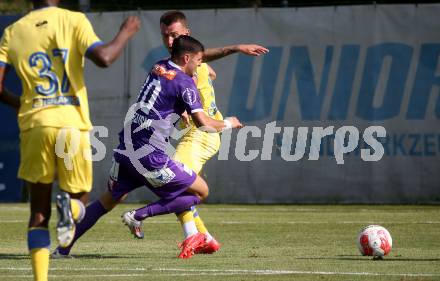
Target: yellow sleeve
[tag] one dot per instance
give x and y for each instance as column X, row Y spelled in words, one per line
column 4, row 49
column 85, row 35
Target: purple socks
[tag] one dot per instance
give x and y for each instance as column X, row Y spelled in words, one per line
column 161, row 207
column 94, row 211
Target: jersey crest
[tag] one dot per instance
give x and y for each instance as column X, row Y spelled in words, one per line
column 160, row 70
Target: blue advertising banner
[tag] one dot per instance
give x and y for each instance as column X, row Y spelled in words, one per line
column 10, row 185
column 344, row 108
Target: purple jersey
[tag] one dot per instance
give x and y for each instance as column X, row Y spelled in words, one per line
column 165, row 95
column 140, row 158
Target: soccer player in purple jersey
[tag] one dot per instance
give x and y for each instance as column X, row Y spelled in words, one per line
column 141, row 158
column 172, row 25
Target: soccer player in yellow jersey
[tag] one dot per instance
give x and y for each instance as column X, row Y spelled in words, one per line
column 197, row 147
column 47, row 47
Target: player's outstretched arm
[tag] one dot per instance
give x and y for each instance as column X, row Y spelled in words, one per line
column 201, row 120
column 6, row 96
column 105, row 55
column 247, row 49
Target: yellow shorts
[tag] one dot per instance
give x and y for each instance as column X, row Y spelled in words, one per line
column 197, row 147
column 46, row 151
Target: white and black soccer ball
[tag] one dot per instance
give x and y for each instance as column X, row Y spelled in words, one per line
column 374, row 240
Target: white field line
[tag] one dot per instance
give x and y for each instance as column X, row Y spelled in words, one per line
column 220, row 209
column 260, row 208
column 14, row 208
column 6, row 207
column 183, row 271
column 324, row 222
column 257, row 208
column 78, row 276
column 265, row 222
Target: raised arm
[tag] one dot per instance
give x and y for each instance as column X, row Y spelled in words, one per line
column 6, row 96
column 104, row 55
column 247, row 49
column 211, row 125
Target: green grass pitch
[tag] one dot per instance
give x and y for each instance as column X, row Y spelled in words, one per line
column 259, row 243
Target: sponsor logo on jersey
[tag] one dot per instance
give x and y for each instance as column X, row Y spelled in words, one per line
column 160, row 177
column 189, row 96
column 61, row 100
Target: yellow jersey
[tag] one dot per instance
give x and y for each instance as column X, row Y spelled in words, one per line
column 47, row 48
column 207, row 94
column 196, row 147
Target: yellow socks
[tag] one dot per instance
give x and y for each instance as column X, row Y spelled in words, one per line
column 186, row 219
column 198, row 221
column 78, row 209
column 192, row 223
column 40, row 263
column 39, row 244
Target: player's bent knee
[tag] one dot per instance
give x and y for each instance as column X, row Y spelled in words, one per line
column 205, row 194
column 39, row 220
column 199, row 188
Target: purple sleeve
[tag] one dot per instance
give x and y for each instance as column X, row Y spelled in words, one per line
column 190, row 97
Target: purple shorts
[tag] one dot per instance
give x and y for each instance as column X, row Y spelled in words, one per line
column 165, row 177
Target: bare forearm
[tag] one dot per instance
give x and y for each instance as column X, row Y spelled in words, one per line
column 209, row 125
column 116, row 46
column 218, row 53
column 246, row 49
column 106, row 54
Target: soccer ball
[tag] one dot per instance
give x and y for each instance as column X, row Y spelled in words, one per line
column 374, row 240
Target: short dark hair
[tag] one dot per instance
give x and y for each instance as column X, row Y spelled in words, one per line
column 186, row 44
column 171, row 17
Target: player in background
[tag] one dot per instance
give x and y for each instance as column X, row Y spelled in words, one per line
column 196, row 147
column 47, row 47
